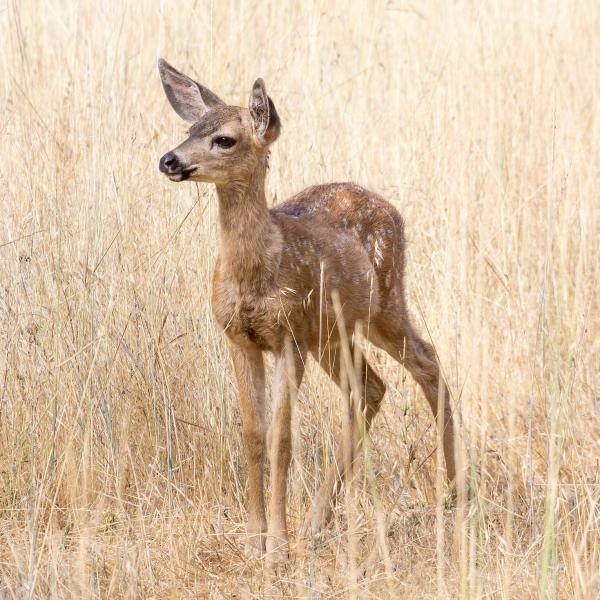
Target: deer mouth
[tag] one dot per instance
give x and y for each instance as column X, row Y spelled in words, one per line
column 182, row 175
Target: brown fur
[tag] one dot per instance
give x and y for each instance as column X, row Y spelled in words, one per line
column 267, row 286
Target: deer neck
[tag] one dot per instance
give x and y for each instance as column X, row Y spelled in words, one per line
column 250, row 241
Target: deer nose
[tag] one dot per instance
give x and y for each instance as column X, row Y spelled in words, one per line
column 169, row 163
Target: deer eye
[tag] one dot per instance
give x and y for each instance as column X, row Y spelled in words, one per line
column 224, row 142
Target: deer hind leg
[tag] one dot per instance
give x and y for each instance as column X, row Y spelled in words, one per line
column 418, row 356
column 373, row 392
column 289, row 369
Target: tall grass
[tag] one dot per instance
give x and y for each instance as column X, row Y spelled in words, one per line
column 121, row 472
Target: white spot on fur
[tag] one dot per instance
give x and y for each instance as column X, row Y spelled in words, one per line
column 377, row 253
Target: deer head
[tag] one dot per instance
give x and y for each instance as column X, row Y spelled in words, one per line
column 226, row 143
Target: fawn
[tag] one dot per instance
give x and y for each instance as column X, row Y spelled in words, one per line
column 273, row 284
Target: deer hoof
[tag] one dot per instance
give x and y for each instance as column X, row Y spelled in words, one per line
column 255, row 546
column 316, row 520
column 277, row 549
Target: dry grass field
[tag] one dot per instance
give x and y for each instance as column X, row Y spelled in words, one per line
column 121, row 470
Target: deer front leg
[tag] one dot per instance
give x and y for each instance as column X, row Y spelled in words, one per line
column 250, row 375
column 289, row 369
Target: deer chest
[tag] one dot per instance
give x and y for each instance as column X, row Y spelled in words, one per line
column 245, row 322
column 246, row 319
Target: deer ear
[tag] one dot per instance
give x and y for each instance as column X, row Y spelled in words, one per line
column 264, row 116
column 189, row 99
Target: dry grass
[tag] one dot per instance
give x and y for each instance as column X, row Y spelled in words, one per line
column 120, row 466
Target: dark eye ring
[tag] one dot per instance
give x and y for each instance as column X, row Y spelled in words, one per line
column 224, row 142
